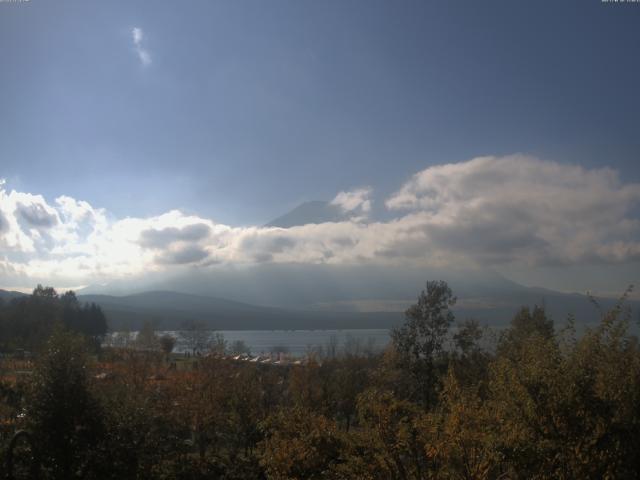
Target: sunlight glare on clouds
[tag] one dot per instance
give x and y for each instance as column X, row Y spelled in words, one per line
column 488, row 211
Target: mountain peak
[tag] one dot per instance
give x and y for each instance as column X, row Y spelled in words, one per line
column 315, row 211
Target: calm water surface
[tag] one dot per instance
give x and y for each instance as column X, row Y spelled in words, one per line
column 298, row 342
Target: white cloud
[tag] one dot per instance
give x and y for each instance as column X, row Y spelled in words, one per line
column 143, row 54
column 357, row 201
column 518, row 207
column 137, row 35
column 487, row 211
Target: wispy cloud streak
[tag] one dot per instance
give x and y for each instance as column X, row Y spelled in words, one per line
column 143, row 54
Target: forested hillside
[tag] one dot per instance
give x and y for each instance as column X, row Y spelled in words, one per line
column 27, row 321
column 540, row 402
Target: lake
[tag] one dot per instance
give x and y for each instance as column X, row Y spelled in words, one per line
column 297, row 342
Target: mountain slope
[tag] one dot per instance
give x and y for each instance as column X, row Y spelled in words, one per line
column 493, row 303
column 8, row 295
column 168, row 310
column 309, row 212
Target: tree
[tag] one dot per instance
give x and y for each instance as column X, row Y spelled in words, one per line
column 200, row 394
column 167, row 343
column 141, row 431
column 147, row 338
column 470, row 361
column 69, row 299
column 419, row 342
column 238, row 347
column 45, row 293
column 246, row 407
column 217, row 344
column 31, row 319
column 195, row 335
column 468, row 336
column 299, row 444
column 466, row 446
column 568, row 410
column 28, row 321
column 525, row 324
column 348, row 379
column 95, row 322
column 391, row 441
column 63, row 414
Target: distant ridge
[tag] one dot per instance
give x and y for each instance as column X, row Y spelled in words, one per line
column 494, row 306
column 168, row 310
column 8, row 295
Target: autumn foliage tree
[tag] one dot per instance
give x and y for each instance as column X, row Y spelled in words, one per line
column 540, row 403
column 300, row 444
column 420, row 340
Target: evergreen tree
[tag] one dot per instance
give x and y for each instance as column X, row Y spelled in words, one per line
column 63, row 414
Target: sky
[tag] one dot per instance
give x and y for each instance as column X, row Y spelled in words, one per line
column 139, row 137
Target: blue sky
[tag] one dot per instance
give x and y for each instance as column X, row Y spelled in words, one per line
column 237, row 111
column 249, row 108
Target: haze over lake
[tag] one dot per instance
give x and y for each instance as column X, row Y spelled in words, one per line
column 297, row 343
